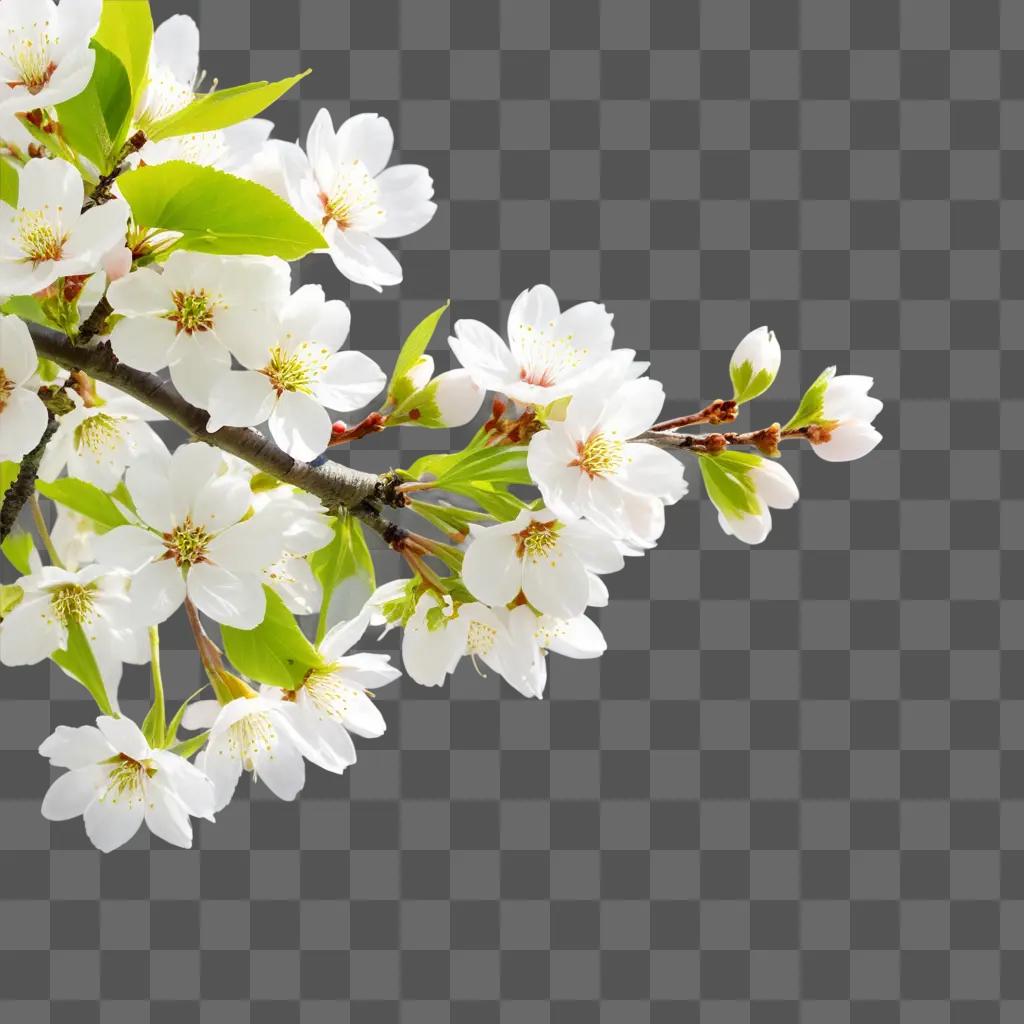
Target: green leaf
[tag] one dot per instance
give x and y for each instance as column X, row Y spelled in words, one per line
column 504, row 464
column 726, row 477
column 186, row 748
column 223, row 108
column 8, row 183
column 498, row 503
column 171, row 732
column 812, row 406
column 18, row 547
column 83, row 498
column 217, row 212
column 415, row 345
column 447, row 518
column 126, row 30
column 746, row 384
column 80, row 663
column 347, row 555
column 92, row 121
column 27, row 307
column 10, row 598
column 276, row 652
column 8, row 474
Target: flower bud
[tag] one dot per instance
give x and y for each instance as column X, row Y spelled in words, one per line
column 117, row 263
column 851, row 439
column 420, row 372
column 458, row 397
column 754, row 364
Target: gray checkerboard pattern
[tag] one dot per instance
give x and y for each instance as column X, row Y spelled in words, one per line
column 794, row 788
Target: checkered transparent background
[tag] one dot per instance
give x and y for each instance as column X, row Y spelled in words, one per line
column 793, row 789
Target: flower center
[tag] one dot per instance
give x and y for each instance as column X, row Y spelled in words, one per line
column 599, row 456
column 38, row 238
column 187, row 543
column 537, row 541
column 480, row 639
column 193, row 311
column 544, row 358
column 99, row 434
column 30, row 55
column 127, row 777
column 354, row 199
column 250, row 736
column 71, row 603
column 6, row 389
column 296, row 370
column 328, row 693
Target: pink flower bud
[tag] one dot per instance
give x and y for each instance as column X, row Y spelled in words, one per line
column 117, row 263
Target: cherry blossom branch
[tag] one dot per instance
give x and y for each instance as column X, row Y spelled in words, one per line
column 24, row 484
column 334, row 484
column 766, row 440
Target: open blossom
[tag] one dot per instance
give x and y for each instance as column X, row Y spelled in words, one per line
column 305, row 527
column 23, row 416
column 172, row 73
column 195, row 540
column 294, row 370
column 193, row 313
column 550, row 353
column 254, row 734
column 755, row 364
column 542, row 558
column 769, row 486
column 437, row 637
column 116, row 780
column 340, row 184
column 586, row 465
column 54, row 601
column 48, row 236
column 72, row 535
column 97, row 442
column 44, row 51
column 335, row 701
column 852, row 410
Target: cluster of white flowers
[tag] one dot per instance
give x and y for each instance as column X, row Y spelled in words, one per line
column 91, row 248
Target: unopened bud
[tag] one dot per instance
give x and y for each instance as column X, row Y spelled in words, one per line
column 117, row 263
column 458, row 397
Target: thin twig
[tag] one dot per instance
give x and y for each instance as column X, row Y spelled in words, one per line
column 721, row 410
column 765, row 440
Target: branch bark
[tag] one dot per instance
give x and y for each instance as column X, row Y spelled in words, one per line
column 335, row 485
column 24, row 483
column 765, row 440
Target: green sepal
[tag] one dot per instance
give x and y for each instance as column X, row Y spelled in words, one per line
column 186, row 748
column 415, row 345
column 10, row 598
column 746, row 384
column 812, row 406
column 727, row 479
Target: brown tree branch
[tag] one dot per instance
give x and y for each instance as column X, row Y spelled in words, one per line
column 721, row 410
column 335, row 485
column 765, row 440
column 24, row 484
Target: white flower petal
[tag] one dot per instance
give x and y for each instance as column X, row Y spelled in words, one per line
column 30, row 633
column 241, row 398
column 157, row 591
column 219, row 763
column 197, row 364
column 71, row 794
column 556, row 583
column 111, row 820
column 406, row 191
column 23, row 421
column 17, row 353
column 491, row 569
column 98, row 230
column 75, row 747
column 124, row 736
column 222, row 503
column 367, row 138
column 166, row 817
column 230, row 598
column 349, row 382
column 143, row 292
column 282, row 768
column 127, row 547
column 300, row 425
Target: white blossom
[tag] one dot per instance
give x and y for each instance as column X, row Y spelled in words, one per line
column 341, row 185
column 771, row 487
column 116, row 780
column 230, row 149
column 97, row 442
column 294, row 374
column 587, row 464
column 194, row 540
column 550, row 354
column 23, row 417
column 852, row 410
column 44, row 51
column 54, row 601
column 72, row 535
column 537, row 555
column 172, row 73
column 193, row 313
column 47, row 236
column 255, row 734
column 335, row 701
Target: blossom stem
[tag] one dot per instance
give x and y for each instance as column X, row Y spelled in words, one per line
column 39, row 520
column 159, row 706
column 372, row 423
column 766, row 440
column 209, row 654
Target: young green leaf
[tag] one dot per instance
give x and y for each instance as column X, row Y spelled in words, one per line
column 27, row 307
column 726, row 477
column 126, row 30
column 186, row 748
column 217, row 212
column 276, row 652
column 812, row 406
column 18, row 547
column 10, row 598
column 222, row 108
column 80, row 663
column 500, row 465
column 747, row 384
column 92, row 122
column 415, row 345
column 499, row 503
column 83, row 498
column 8, row 183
